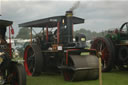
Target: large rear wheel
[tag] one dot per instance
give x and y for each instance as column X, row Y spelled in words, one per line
column 106, row 47
column 33, row 60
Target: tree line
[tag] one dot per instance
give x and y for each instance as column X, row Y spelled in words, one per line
column 24, row 33
column 90, row 35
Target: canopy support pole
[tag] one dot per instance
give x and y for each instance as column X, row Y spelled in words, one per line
column 47, row 33
column 58, row 32
column 31, row 36
column 10, row 46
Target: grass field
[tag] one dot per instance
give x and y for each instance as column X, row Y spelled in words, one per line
column 115, row 77
column 111, row 78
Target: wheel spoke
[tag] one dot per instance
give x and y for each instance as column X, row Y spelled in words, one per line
column 101, row 47
column 105, row 46
column 30, row 60
column 31, row 63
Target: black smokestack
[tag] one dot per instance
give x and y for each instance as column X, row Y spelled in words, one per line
column 75, row 6
column 69, row 15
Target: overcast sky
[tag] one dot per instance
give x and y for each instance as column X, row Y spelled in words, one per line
column 99, row 15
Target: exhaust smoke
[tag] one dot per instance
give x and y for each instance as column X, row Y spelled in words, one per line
column 75, row 6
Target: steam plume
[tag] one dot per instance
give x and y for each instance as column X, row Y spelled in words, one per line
column 75, row 6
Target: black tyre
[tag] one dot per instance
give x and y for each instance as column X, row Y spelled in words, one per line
column 106, row 47
column 33, row 60
column 18, row 75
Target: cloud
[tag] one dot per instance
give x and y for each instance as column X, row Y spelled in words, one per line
column 99, row 15
column 103, row 15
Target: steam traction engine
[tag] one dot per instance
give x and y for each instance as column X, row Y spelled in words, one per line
column 114, row 48
column 55, row 51
column 11, row 72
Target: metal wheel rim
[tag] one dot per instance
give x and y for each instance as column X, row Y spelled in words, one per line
column 29, row 60
column 101, row 46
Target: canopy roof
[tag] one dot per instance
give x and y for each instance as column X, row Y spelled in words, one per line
column 50, row 22
column 5, row 23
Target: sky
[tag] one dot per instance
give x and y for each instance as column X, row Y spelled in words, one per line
column 99, row 15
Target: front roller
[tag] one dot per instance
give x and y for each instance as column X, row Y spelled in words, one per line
column 81, row 68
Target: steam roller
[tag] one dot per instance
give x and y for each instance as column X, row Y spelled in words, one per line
column 56, row 49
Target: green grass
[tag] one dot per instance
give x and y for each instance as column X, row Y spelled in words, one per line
column 115, row 77
column 111, row 78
